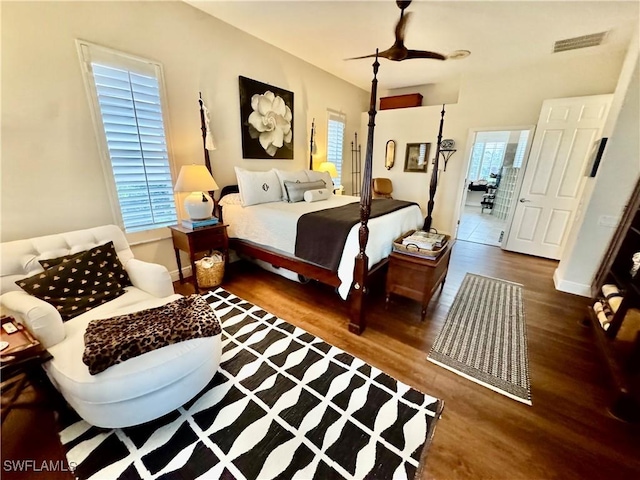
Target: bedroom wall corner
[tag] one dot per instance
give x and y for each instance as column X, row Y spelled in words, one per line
column 52, row 178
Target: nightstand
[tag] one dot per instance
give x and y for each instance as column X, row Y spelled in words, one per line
column 416, row 277
column 20, row 367
column 196, row 241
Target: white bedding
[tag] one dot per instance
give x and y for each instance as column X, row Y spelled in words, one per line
column 275, row 224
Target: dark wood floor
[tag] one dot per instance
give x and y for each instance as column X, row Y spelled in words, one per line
column 567, row 433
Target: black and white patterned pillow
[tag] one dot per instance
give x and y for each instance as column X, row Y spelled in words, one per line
column 110, row 254
column 77, row 285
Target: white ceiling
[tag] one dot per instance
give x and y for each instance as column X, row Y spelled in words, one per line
column 499, row 34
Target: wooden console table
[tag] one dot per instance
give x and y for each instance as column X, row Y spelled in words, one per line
column 416, row 277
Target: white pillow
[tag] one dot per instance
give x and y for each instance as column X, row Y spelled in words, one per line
column 231, row 199
column 317, row 195
column 291, row 176
column 324, row 176
column 258, row 187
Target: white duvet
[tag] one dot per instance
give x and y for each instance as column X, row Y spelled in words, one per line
column 274, row 225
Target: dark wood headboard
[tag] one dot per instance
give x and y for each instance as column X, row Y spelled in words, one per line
column 229, row 189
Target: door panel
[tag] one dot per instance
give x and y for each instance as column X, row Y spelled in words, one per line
column 529, row 223
column 558, row 223
column 545, row 162
column 578, row 156
column 554, row 177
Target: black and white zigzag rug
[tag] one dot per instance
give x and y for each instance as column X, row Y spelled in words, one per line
column 284, row 404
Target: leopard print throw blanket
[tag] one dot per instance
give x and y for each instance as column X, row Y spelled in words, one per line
column 113, row 340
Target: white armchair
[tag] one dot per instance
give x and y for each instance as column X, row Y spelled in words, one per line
column 129, row 393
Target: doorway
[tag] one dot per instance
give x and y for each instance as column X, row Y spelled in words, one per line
column 495, row 164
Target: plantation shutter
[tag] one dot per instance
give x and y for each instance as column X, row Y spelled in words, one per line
column 130, row 109
column 335, row 141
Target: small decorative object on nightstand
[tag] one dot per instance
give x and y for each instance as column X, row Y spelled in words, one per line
column 197, row 241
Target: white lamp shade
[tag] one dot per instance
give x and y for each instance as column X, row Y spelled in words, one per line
column 195, row 178
column 328, row 167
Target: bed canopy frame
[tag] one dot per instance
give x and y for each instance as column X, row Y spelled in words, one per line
column 358, row 290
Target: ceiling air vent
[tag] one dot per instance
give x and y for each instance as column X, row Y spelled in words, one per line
column 591, row 40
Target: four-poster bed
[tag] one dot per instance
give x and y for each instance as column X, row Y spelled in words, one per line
column 361, row 270
column 245, row 221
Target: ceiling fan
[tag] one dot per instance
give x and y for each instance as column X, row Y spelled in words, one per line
column 398, row 52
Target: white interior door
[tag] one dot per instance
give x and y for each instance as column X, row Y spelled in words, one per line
column 554, row 177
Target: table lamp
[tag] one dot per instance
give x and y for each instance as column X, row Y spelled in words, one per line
column 328, row 167
column 198, row 180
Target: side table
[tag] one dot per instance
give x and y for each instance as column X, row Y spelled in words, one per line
column 196, row 241
column 416, row 277
column 20, row 365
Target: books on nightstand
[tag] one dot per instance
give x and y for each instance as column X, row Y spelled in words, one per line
column 425, row 240
column 195, row 224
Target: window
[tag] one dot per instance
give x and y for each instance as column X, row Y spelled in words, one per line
column 335, row 141
column 486, row 159
column 126, row 94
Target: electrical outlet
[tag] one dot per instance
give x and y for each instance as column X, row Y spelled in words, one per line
column 608, row 221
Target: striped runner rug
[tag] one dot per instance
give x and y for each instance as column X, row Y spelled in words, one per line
column 484, row 337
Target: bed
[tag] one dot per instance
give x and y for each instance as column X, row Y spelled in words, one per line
column 272, row 227
column 368, row 243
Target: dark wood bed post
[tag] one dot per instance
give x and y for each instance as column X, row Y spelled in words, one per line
column 313, row 131
column 434, row 178
column 357, row 320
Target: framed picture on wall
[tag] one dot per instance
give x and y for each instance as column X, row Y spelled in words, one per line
column 416, row 157
column 266, row 120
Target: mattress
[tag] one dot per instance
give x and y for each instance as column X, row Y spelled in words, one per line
column 274, row 225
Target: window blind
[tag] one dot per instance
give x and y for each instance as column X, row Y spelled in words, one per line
column 125, row 95
column 335, row 141
column 522, row 144
column 131, row 113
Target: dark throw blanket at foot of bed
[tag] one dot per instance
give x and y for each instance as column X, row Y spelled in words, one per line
column 321, row 235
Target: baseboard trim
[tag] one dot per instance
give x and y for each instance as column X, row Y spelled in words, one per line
column 571, row 287
column 175, row 275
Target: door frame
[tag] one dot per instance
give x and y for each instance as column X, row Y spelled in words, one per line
column 462, row 190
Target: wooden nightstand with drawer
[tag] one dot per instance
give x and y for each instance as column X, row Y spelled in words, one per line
column 196, row 241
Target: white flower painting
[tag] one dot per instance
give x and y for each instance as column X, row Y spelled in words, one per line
column 267, row 120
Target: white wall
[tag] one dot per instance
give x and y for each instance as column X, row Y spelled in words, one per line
column 502, row 99
column 609, row 192
column 52, row 179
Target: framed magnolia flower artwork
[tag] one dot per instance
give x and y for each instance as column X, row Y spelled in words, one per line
column 266, row 116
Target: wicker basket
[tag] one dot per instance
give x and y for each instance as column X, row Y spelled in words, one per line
column 417, row 251
column 210, row 270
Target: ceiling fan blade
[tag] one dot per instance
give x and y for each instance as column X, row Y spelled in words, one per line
column 424, row 54
column 390, row 54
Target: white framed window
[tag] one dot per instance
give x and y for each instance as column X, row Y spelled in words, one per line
column 335, row 140
column 486, row 159
column 127, row 103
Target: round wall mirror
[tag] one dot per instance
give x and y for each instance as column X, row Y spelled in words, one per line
column 390, row 154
